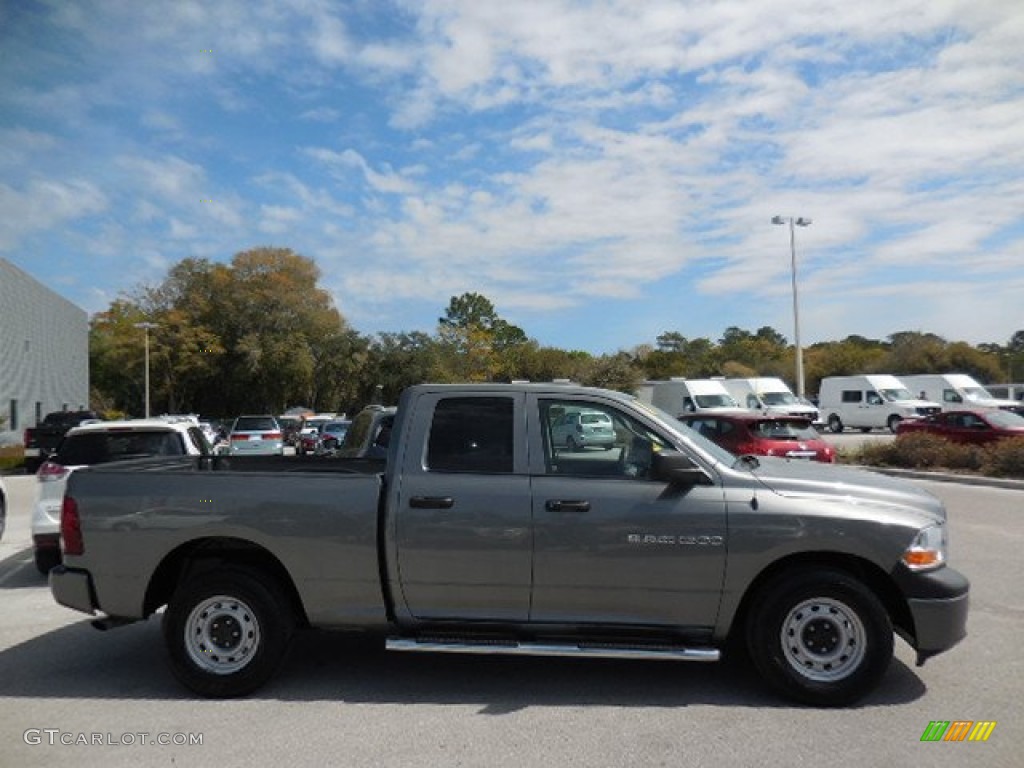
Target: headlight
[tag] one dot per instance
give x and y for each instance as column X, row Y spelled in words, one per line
column 927, row 550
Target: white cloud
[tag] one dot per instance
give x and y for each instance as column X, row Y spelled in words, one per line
column 43, row 204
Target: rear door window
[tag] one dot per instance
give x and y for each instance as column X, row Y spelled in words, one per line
column 472, row 434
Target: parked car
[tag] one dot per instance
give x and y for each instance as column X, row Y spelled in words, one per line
column 867, row 402
column 325, row 438
column 578, row 430
column 42, row 440
column 100, row 443
column 370, row 433
column 972, row 427
column 763, row 434
column 290, row 428
column 255, row 436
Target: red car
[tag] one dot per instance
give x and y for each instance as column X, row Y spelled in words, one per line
column 762, row 434
column 976, row 427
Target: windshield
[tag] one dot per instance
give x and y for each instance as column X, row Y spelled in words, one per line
column 1005, row 420
column 976, row 393
column 715, row 401
column 894, row 395
column 779, row 398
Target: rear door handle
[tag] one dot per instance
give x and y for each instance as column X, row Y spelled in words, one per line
column 565, row 505
column 431, row 502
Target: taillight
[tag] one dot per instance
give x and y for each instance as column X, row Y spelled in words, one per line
column 236, row 438
column 71, row 527
column 271, row 435
column 51, row 472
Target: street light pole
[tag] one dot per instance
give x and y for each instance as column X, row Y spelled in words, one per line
column 147, row 327
column 795, row 222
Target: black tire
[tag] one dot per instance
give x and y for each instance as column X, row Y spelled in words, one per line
column 47, row 559
column 3, row 515
column 820, row 637
column 227, row 632
column 835, row 424
column 572, row 445
column 894, row 422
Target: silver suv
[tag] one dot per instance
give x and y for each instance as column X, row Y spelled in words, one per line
column 576, row 430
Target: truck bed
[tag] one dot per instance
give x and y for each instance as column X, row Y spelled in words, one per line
column 319, row 525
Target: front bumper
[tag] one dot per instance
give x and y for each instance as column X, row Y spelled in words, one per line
column 937, row 601
column 72, row 588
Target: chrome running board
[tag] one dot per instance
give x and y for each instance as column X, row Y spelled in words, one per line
column 581, row 649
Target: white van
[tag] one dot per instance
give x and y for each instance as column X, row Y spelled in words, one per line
column 770, row 395
column 957, row 391
column 678, row 396
column 869, row 401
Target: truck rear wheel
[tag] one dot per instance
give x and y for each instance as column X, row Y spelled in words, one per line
column 820, row 637
column 227, row 632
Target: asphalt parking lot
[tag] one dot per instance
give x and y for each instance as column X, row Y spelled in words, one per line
column 343, row 701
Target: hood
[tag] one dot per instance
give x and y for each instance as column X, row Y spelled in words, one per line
column 804, row 479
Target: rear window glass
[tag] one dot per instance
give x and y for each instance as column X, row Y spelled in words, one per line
column 101, row 447
column 473, row 434
column 255, row 424
column 784, row 430
column 595, row 418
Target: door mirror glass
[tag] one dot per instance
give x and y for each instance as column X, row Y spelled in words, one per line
column 679, row 469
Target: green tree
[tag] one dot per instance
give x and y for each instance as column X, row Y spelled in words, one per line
column 616, row 371
column 253, row 335
column 475, row 343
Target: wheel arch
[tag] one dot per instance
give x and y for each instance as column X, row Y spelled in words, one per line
column 874, row 578
column 213, row 553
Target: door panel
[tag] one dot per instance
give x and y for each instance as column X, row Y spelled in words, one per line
column 639, row 553
column 463, row 513
column 612, row 546
column 464, row 546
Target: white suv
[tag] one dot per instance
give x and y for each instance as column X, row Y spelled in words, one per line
column 99, row 443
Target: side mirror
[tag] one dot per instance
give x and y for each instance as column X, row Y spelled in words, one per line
column 678, row 468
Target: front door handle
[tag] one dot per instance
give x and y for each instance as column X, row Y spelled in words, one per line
column 431, row 502
column 564, row 505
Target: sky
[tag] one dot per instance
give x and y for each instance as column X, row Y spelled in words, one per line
column 602, row 171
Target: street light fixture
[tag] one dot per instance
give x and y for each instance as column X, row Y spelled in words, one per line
column 799, row 221
column 147, row 327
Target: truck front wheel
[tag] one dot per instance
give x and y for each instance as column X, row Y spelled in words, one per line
column 820, row 637
column 227, row 632
column 835, row 424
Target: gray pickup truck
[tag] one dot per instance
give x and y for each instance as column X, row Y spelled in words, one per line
column 481, row 533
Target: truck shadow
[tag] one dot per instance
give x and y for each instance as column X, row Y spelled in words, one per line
column 76, row 661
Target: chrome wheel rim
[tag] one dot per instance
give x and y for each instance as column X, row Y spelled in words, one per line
column 222, row 635
column 823, row 639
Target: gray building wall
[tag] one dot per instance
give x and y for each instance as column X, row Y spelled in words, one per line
column 44, row 352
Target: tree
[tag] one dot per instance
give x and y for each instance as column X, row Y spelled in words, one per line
column 477, row 344
column 395, row 361
column 615, row 371
column 252, row 335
